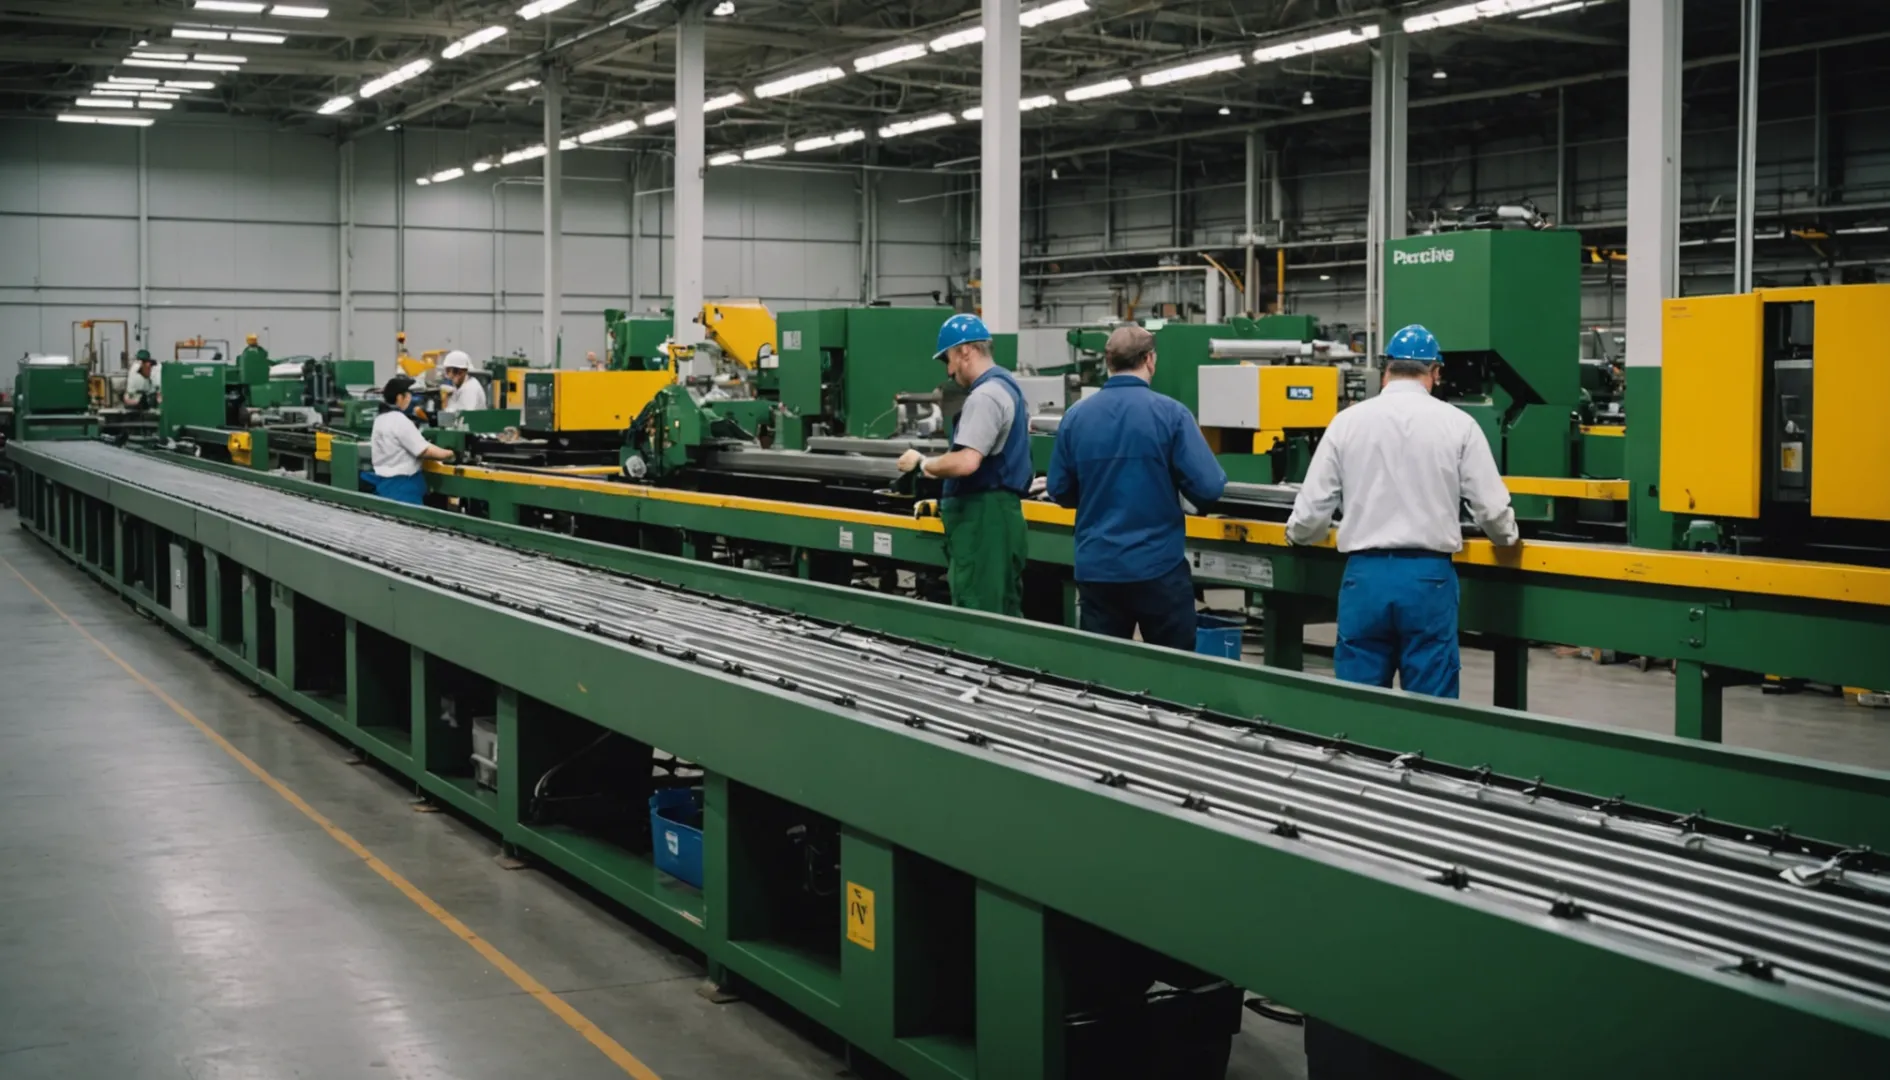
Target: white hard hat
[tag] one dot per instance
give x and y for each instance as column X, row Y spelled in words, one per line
column 457, row 359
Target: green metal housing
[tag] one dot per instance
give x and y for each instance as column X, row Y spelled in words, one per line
column 193, row 396
column 990, row 881
column 52, row 401
column 1505, row 305
column 840, row 368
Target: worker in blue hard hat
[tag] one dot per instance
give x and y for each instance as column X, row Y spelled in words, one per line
column 987, row 473
column 1401, row 463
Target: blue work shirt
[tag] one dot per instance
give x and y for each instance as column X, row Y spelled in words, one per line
column 1122, row 457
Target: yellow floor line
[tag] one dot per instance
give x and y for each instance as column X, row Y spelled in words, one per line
column 560, row 1008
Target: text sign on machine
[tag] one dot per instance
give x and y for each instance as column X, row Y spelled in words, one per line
column 1249, row 570
column 1299, row 393
column 882, row 543
column 846, row 538
column 860, row 915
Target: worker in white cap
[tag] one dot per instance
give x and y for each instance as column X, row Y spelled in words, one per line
column 468, row 393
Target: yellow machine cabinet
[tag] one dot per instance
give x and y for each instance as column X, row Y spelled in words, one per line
column 585, row 400
column 1849, row 440
column 1710, row 405
column 1267, row 399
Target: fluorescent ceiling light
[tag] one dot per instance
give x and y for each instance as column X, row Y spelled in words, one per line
column 725, row 159
column 257, row 39
column 472, row 41
column 527, row 154
column 395, row 77
column 567, row 144
column 117, row 91
column 973, row 114
column 542, row 7
column 195, row 66
column 147, row 103
column 481, row 166
column 761, row 153
column 522, row 84
column 335, row 105
column 1096, row 90
column 422, row 180
column 1559, row 9
column 971, row 35
column 822, row 142
column 134, row 81
column 898, row 54
column 798, row 82
column 724, row 9
column 1039, row 102
column 148, row 55
column 444, row 175
column 659, row 117
column 173, row 83
column 118, row 121
column 102, row 103
column 219, row 58
column 198, row 35
column 1858, row 229
column 1057, row 9
column 608, row 131
column 646, row 5
column 923, row 123
column 1337, row 39
column 1213, row 65
column 723, row 102
column 298, row 11
column 240, row 8
column 1463, row 13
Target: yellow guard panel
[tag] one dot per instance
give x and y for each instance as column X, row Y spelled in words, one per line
column 604, row 400
column 1850, row 439
column 1298, row 396
column 1711, row 386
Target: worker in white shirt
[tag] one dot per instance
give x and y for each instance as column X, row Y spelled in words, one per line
column 1400, row 464
column 397, row 448
column 141, row 389
column 468, row 393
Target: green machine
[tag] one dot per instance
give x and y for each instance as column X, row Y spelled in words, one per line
column 1505, row 305
column 635, row 342
column 842, row 370
column 1183, row 349
column 52, row 400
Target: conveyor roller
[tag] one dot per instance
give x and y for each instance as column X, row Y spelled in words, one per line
column 1810, row 917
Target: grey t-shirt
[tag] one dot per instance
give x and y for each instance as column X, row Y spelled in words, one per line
column 985, row 421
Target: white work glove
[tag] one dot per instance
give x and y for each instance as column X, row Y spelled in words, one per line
column 910, row 460
column 1038, row 485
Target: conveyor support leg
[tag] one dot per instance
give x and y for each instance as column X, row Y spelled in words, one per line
column 1283, row 638
column 1697, row 701
column 1512, row 674
column 1020, row 992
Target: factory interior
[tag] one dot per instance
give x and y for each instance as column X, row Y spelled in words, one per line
column 645, row 723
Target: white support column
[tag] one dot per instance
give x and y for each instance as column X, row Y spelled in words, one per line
column 689, row 139
column 401, row 183
column 1391, row 72
column 553, row 305
column 344, row 250
column 1251, row 202
column 1653, row 185
column 1748, row 145
column 144, row 243
column 1001, row 233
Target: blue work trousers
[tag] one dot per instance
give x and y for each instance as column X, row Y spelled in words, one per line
column 411, row 488
column 1163, row 608
column 1398, row 615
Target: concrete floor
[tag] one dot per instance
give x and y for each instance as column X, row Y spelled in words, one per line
column 163, row 914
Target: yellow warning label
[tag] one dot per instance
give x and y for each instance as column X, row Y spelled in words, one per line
column 860, row 915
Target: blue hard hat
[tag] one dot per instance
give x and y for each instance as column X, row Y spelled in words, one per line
column 960, row 330
column 1414, row 343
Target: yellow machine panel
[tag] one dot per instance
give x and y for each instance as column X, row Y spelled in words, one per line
column 743, row 328
column 1710, row 406
column 1298, row 396
column 1850, row 438
column 585, row 400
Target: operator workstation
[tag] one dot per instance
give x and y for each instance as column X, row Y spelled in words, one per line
column 562, row 538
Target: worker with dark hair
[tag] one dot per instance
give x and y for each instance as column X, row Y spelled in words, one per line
column 1124, row 458
column 141, row 388
column 397, row 448
column 1401, row 463
column 987, row 473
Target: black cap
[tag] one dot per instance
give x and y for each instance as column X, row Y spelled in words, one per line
column 396, row 386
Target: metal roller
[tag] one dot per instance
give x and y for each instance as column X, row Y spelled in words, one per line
column 1257, row 349
column 1701, row 893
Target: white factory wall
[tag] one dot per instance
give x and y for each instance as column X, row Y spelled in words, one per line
column 244, row 228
